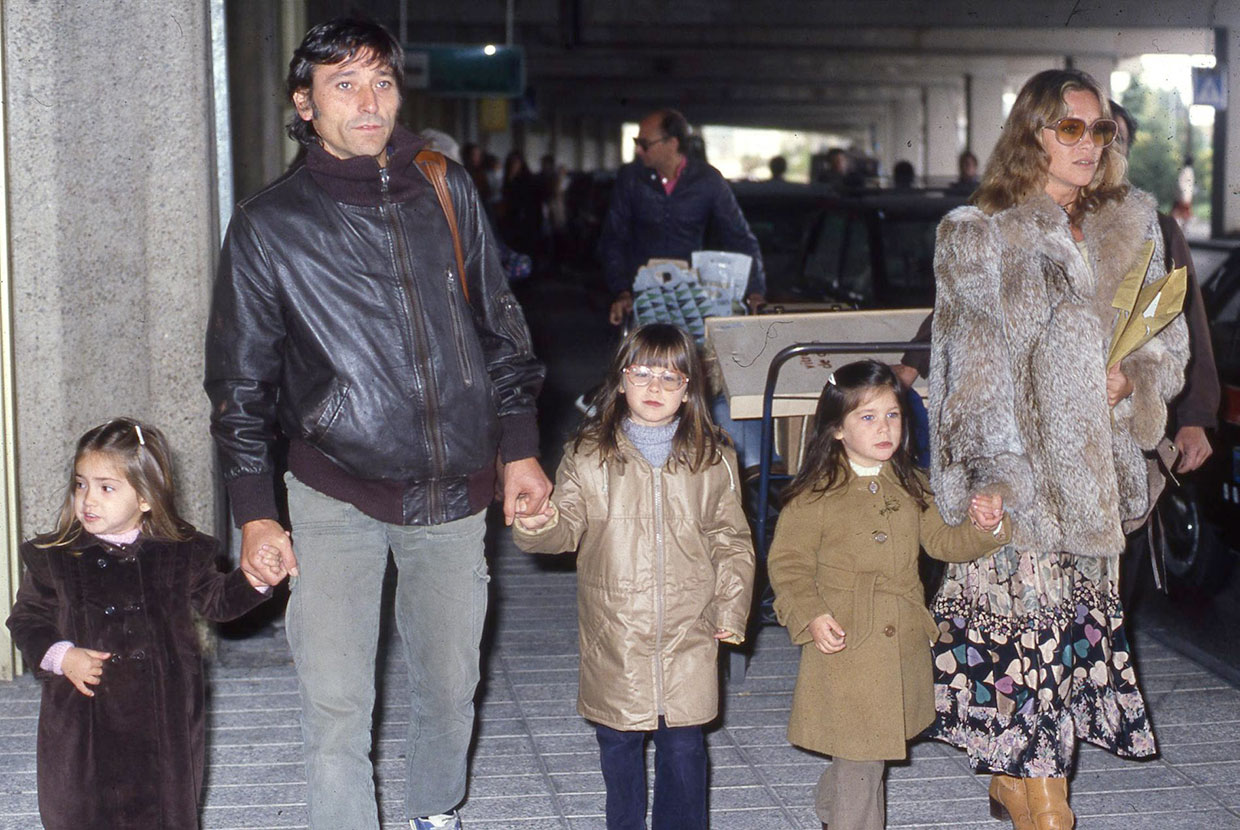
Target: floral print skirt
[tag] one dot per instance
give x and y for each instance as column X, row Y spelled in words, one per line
column 1031, row 657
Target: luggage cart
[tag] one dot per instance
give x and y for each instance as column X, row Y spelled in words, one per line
column 763, row 530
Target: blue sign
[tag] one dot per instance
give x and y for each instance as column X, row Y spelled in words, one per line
column 1210, row 87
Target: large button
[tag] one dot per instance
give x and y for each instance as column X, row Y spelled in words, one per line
column 880, row 537
column 102, row 561
column 890, row 631
column 110, row 610
column 133, row 606
column 114, row 659
column 141, row 655
column 129, row 560
column 873, row 486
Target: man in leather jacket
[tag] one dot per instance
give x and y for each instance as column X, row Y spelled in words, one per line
column 341, row 320
column 662, row 206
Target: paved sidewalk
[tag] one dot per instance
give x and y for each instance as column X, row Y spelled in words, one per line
column 535, row 764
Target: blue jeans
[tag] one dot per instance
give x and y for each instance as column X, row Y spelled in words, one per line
column 746, row 435
column 333, row 630
column 679, row 777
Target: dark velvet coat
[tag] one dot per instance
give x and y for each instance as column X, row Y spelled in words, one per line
column 131, row 757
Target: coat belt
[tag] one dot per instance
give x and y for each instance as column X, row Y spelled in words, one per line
column 864, row 585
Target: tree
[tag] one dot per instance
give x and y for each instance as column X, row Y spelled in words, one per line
column 1158, row 153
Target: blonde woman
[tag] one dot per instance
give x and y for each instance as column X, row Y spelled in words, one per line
column 1031, row 655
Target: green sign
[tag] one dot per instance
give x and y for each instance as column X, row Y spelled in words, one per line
column 483, row 71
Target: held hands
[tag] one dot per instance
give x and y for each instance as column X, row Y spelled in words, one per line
column 84, row 668
column 986, row 511
column 533, row 521
column 526, row 490
column 1118, row 385
column 827, row 634
column 266, row 552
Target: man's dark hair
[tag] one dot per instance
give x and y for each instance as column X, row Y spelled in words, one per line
column 674, row 125
column 337, row 41
column 1119, row 113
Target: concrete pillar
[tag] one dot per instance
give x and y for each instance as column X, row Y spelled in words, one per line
column 944, row 117
column 113, row 233
column 907, row 141
column 1227, row 156
column 986, row 82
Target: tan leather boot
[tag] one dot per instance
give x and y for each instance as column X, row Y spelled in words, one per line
column 1007, row 802
column 1048, row 803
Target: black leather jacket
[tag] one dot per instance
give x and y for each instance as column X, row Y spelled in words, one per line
column 338, row 312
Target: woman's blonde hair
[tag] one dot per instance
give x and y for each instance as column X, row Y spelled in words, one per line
column 1018, row 166
column 141, row 454
column 658, row 345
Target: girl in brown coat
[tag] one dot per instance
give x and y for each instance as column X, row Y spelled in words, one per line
column 648, row 494
column 103, row 613
column 843, row 565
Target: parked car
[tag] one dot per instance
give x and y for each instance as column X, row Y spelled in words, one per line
column 870, row 250
column 1202, row 514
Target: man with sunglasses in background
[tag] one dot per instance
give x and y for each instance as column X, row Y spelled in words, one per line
column 663, row 204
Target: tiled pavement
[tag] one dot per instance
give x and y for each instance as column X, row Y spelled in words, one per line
column 535, row 763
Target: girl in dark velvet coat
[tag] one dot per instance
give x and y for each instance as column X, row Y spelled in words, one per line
column 103, row 614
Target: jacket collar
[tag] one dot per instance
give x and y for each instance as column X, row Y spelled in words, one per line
column 356, row 181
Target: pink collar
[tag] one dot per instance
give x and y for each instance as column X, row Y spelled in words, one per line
column 126, row 538
column 670, row 184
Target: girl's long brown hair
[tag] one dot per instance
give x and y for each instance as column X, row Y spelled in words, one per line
column 141, row 454
column 826, row 462
column 658, row 345
column 1018, row 166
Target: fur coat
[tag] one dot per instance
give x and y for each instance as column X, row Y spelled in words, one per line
column 1018, row 402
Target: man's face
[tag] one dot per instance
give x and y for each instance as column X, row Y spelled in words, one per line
column 352, row 105
column 654, row 147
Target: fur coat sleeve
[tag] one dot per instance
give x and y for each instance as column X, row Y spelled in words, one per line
column 1023, row 319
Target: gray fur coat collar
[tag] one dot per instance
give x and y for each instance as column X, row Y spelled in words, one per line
column 1018, row 401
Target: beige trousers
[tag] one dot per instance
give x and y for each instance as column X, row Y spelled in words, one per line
column 851, row 795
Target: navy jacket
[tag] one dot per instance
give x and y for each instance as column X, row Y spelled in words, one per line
column 644, row 222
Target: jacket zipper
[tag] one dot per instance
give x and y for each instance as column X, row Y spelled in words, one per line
column 659, row 557
column 422, row 345
column 458, row 328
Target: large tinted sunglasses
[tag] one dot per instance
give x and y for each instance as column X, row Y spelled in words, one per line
column 647, row 143
column 1069, row 131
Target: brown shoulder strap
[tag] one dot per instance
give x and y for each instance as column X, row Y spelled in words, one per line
column 435, row 167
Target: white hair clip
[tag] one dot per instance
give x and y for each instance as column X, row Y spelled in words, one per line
column 142, row 440
column 831, row 378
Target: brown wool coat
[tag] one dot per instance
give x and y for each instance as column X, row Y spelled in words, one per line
column 665, row 558
column 1018, row 401
column 130, row 758
column 852, row 553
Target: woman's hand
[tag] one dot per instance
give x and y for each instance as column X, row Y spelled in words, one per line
column 827, row 634
column 83, row 667
column 1118, row 385
column 986, row 511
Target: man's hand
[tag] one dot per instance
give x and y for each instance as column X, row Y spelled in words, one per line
column 260, row 539
column 84, row 667
column 827, row 634
column 620, row 307
column 526, row 488
column 1118, row 385
column 906, row 374
column 535, row 521
column 1194, row 448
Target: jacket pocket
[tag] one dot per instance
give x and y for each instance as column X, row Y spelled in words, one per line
column 456, row 296
column 325, row 414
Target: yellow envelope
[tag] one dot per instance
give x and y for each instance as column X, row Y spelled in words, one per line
column 1152, row 309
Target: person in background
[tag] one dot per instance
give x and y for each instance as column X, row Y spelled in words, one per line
column 779, row 168
column 967, row 182
column 903, row 175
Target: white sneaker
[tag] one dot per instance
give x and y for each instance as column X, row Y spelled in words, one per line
column 439, row 821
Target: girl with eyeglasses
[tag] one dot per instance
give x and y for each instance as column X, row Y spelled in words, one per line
column 1031, row 654
column 649, row 495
